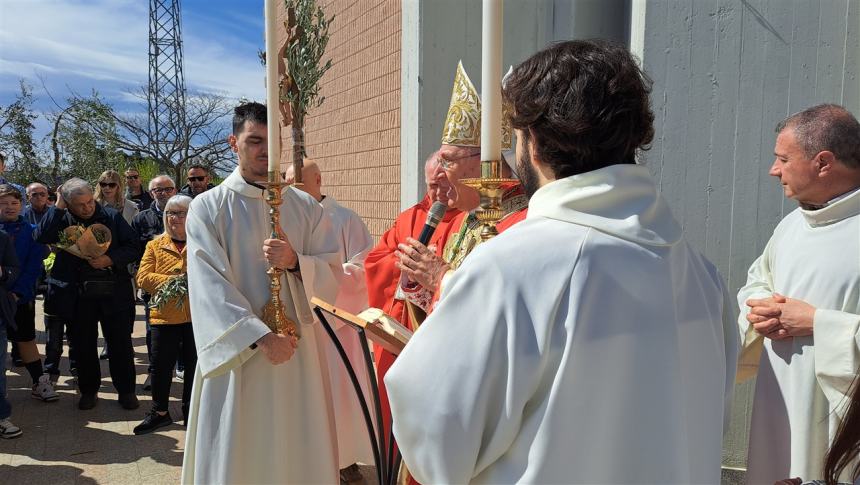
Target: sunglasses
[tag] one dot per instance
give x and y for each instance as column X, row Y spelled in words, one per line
column 163, row 190
column 38, row 194
column 131, row 177
column 107, row 184
column 177, row 214
column 196, row 179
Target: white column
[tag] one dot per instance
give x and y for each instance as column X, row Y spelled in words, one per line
column 272, row 91
column 411, row 159
column 491, row 80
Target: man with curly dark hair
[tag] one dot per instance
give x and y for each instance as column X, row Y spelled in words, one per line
column 589, row 343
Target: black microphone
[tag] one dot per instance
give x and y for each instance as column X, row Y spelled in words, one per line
column 437, row 212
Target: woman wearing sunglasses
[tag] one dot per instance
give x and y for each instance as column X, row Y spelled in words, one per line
column 109, row 193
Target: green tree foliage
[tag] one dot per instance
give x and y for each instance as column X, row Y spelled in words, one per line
column 16, row 136
column 88, row 136
column 84, row 139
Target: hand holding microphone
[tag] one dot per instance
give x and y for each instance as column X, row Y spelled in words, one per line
column 418, row 261
column 437, row 212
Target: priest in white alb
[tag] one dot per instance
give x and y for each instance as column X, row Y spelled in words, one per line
column 588, row 343
column 261, row 409
column 354, row 243
column 800, row 308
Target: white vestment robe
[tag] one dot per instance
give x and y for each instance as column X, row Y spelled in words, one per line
column 251, row 421
column 814, row 256
column 354, row 243
column 587, row 344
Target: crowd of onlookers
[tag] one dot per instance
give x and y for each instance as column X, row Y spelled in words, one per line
column 92, row 252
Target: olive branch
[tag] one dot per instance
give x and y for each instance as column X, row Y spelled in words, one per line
column 307, row 38
column 174, row 289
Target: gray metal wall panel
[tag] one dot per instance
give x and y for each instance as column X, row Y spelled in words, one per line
column 725, row 72
column 831, row 49
column 851, row 62
column 450, row 30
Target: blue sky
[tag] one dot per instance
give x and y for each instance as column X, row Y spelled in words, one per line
column 82, row 45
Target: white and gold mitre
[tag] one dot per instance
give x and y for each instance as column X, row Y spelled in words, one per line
column 463, row 122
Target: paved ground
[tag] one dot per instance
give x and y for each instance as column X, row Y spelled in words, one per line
column 63, row 445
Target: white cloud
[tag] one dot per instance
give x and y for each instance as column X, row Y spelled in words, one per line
column 103, row 44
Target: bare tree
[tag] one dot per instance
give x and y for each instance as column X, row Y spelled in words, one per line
column 200, row 133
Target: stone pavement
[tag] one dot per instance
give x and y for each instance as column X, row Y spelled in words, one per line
column 63, row 445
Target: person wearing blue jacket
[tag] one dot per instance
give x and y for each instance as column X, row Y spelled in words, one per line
column 30, row 256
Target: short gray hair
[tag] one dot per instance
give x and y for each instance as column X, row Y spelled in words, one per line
column 826, row 127
column 178, row 201
column 75, row 187
column 161, row 177
column 35, row 185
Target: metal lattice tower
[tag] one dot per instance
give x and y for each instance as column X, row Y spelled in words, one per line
column 166, row 94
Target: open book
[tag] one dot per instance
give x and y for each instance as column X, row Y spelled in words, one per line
column 381, row 328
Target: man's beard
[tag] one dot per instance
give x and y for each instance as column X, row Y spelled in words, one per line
column 527, row 172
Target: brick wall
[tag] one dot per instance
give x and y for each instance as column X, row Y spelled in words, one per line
column 355, row 135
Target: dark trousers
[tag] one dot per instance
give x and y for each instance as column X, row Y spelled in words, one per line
column 56, row 327
column 151, row 368
column 5, row 407
column 166, row 339
column 85, row 335
column 180, row 364
column 25, row 322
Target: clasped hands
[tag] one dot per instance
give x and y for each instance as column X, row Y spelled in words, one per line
column 780, row 317
column 101, row 262
column 420, row 263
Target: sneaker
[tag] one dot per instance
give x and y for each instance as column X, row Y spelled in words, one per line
column 44, row 390
column 128, row 400
column 180, row 374
column 152, row 422
column 88, row 401
column 147, row 384
column 9, row 430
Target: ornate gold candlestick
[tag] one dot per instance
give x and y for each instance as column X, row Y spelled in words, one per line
column 490, row 186
column 274, row 314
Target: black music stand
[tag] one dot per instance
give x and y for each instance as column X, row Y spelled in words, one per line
column 387, row 463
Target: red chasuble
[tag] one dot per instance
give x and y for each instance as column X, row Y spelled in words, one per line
column 383, row 277
column 512, row 219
